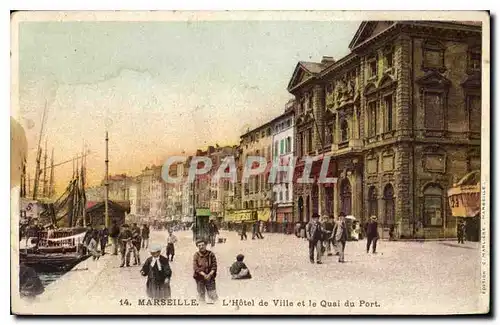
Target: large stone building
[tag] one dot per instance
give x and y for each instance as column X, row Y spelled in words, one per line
column 400, row 116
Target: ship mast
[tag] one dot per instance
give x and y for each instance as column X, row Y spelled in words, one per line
column 39, row 153
column 44, row 189
column 106, row 184
column 51, row 181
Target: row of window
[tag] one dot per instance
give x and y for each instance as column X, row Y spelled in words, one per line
column 283, row 125
column 254, row 204
column 284, row 146
column 260, row 135
column 283, row 195
column 373, row 63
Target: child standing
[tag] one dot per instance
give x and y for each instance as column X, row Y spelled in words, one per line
column 171, row 240
column 239, row 270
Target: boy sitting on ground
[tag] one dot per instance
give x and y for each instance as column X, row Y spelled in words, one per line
column 239, row 270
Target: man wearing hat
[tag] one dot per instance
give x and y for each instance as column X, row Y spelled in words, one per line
column 314, row 234
column 372, row 234
column 205, row 271
column 124, row 239
column 339, row 236
column 158, row 271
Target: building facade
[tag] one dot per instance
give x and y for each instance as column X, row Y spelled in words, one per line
column 400, row 117
column 257, row 192
column 282, row 129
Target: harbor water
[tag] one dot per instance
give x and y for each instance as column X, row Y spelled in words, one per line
column 48, row 278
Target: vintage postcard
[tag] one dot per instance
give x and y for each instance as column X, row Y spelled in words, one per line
column 250, row 163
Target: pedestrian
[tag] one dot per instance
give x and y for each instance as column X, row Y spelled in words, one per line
column 314, row 234
column 124, row 239
column 239, row 270
column 145, row 236
column 113, row 234
column 329, row 224
column 254, row 230
column 340, row 235
column 285, row 226
column 103, row 238
column 88, row 236
column 372, row 235
column 158, row 271
column 136, row 243
column 92, row 245
column 391, row 233
column 355, row 230
column 461, row 231
column 258, row 232
column 213, row 231
column 171, row 240
column 243, row 230
column 205, row 271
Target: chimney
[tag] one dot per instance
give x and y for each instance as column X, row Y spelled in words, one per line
column 327, row 60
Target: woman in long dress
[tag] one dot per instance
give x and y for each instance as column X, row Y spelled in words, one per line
column 157, row 269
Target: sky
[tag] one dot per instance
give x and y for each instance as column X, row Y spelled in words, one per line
column 159, row 88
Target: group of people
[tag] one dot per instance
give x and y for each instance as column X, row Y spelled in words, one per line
column 159, row 274
column 257, row 229
column 323, row 236
column 125, row 239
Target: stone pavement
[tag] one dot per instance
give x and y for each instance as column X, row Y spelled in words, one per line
column 404, row 277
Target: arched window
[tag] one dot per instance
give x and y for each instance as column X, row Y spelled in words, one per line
column 345, row 196
column 308, row 208
column 372, row 202
column 329, row 200
column 300, row 206
column 433, row 206
column 389, row 204
column 315, row 198
column 344, row 130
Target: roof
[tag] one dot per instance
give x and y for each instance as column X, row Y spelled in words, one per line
column 313, row 67
column 472, row 178
column 124, row 205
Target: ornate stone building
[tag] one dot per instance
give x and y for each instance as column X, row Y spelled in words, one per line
column 401, row 118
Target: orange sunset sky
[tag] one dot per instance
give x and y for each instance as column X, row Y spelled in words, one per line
column 160, row 88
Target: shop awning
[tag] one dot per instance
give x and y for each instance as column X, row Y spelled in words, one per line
column 239, row 216
column 203, row 212
column 264, row 214
column 465, row 201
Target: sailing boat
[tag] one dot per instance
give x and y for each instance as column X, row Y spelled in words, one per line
column 59, row 249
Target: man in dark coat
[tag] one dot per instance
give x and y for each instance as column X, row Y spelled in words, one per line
column 205, row 271
column 103, row 239
column 243, row 230
column 372, row 234
column 145, row 236
column 213, row 231
column 314, row 234
column 329, row 225
column 340, row 236
column 158, row 271
column 114, row 232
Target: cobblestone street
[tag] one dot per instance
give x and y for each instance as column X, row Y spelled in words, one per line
column 430, row 277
